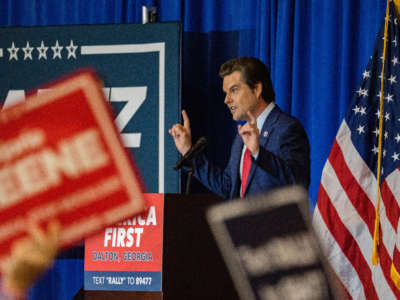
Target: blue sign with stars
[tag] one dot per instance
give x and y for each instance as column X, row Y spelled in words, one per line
column 140, row 69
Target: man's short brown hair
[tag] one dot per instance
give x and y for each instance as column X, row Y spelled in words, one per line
column 253, row 71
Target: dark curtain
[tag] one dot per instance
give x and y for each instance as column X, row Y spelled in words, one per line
column 316, row 51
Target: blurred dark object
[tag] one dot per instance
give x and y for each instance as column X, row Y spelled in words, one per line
column 270, row 248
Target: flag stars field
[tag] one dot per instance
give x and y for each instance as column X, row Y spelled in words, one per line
column 389, row 97
column 395, row 156
column 362, row 92
column 375, row 149
column 392, row 79
column 360, row 129
column 366, row 74
column 356, row 109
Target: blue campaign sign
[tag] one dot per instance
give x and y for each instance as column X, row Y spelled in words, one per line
column 140, row 68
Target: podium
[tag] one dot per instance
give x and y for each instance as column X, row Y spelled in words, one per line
column 193, row 267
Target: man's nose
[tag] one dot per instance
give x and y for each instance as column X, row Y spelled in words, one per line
column 227, row 99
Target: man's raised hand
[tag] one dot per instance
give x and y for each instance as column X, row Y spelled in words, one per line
column 182, row 134
column 250, row 134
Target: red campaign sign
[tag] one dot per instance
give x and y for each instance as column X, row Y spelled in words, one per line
column 61, row 158
column 132, row 245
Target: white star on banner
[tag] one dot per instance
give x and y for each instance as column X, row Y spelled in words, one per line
column 71, row 50
column 395, row 41
column 57, row 50
column 13, row 52
column 386, row 135
column 387, row 116
column 395, row 61
column 397, row 138
column 27, row 51
column 42, row 51
column 376, row 131
column 363, row 111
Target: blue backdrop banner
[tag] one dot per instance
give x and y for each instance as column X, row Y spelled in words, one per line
column 140, row 67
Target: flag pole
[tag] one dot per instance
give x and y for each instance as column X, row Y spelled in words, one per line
column 375, row 255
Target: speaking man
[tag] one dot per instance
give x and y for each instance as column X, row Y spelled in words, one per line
column 271, row 148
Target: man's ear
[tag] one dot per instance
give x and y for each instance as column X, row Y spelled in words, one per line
column 258, row 89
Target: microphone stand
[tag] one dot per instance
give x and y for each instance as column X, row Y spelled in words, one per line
column 187, row 160
column 189, row 180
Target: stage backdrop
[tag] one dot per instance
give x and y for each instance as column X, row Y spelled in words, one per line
column 140, row 69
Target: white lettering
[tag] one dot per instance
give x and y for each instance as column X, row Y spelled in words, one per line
column 150, row 219
column 42, row 170
column 133, row 96
column 122, row 237
column 14, row 97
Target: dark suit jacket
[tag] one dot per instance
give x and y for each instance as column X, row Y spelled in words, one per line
column 284, row 159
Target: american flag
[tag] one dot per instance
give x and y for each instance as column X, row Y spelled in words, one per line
column 345, row 213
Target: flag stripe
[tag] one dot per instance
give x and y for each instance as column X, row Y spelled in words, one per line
column 366, row 179
column 359, row 233
column 393, row 182
column 339, row 262
column 392, row 209
column 346, row 242
column 361, row 202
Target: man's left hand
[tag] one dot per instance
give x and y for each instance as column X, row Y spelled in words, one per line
column 250, row 134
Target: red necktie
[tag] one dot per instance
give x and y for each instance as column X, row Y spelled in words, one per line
column 245, row 170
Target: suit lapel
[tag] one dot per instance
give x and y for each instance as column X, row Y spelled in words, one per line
column 264, row 137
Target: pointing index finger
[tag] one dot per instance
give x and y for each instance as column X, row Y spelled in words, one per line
column 186, row 121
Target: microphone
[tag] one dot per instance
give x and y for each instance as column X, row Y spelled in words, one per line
column 193, row 151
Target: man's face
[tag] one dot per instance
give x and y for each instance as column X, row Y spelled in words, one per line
column 239, row 97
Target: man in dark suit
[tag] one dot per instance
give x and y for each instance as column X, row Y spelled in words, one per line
column 271, row 148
